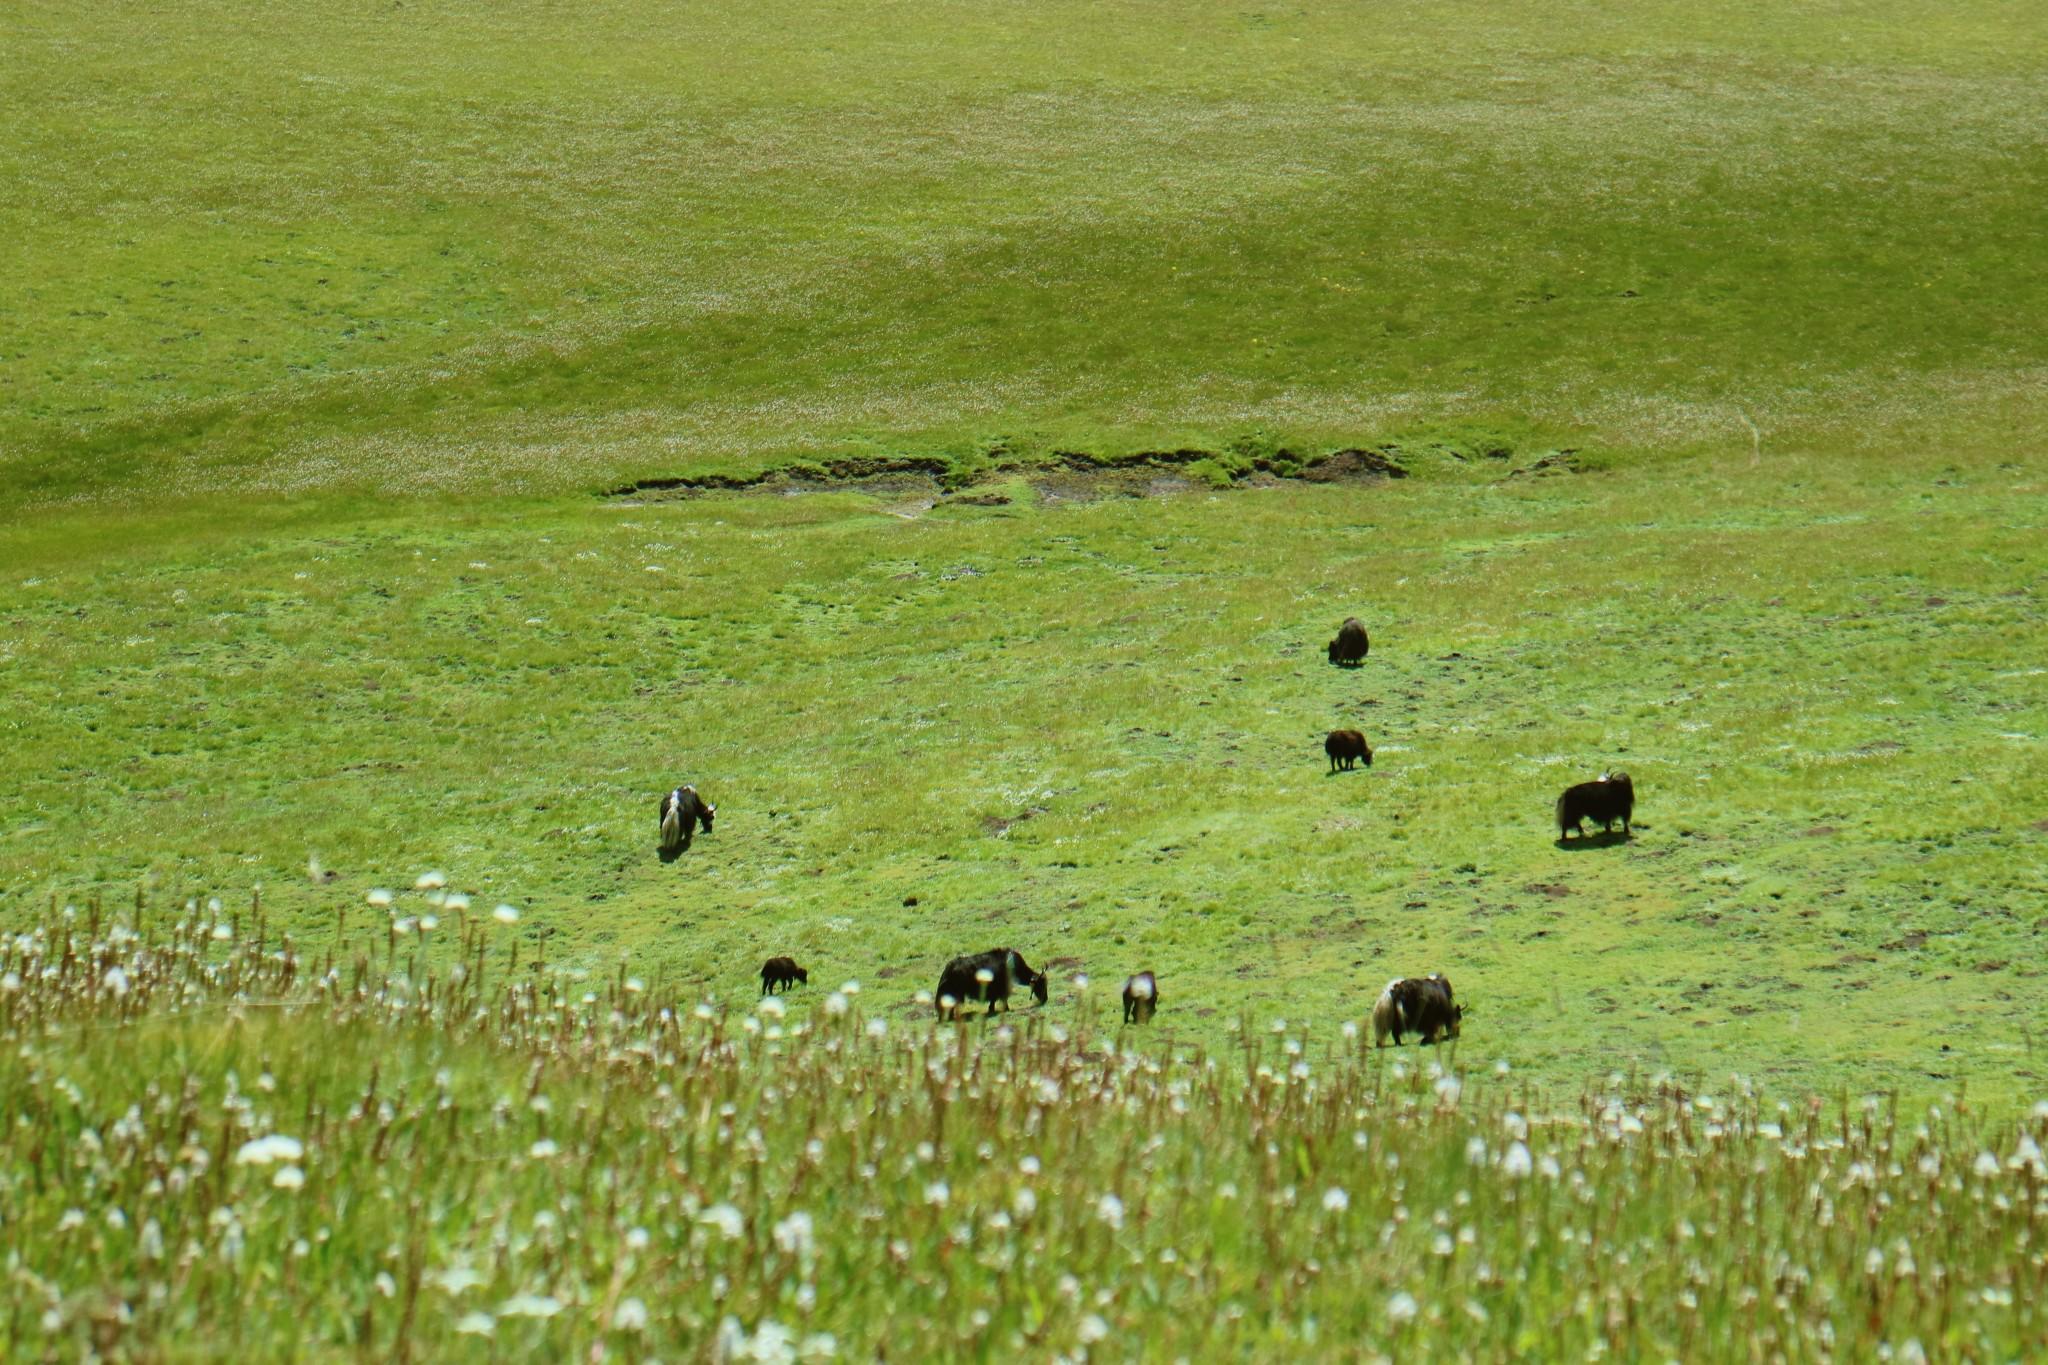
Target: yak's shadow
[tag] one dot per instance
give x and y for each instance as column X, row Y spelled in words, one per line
column 1597, row 839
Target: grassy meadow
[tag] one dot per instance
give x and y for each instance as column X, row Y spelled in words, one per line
column 1092, row 730
column 457, row 248
column 1706, row 340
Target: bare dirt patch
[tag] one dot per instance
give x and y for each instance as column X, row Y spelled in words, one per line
column 1066, row 476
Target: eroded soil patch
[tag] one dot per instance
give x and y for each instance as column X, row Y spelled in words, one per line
column 1067, row 476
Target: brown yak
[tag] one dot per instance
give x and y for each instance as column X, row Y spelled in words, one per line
column 1352, row 643
column 1612, row 797
column 1346, row 748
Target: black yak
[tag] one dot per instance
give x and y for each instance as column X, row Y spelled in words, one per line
column 1141, row 998
column 1611, row 798
column 782, row 972
column 681, row 809
column 988, row 976
column 1421, row 1005
column 1345, row 748
column 1352, row 643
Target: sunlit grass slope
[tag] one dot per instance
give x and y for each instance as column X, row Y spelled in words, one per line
column 520, row 246
column 1094, row 732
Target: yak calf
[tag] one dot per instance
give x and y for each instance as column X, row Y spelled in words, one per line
column 782, row 973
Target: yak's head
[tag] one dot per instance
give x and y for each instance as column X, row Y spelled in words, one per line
column 1333, row 650
column 1368, row 755
column 1457, row 1019
column 1038, row 990
column 709, row 811
column 803, row 976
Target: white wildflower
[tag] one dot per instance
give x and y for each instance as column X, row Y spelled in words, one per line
column 505, row 914
column 530, row 1306
column 629, row 1316
column 1110, row 1210
column 456, row 1279
column 1402, row 1308
column 1516, row 1164
column 726, row 1219
column 794, row 1235
column 289, row 1178
column 264, row 1150
column 1335, row 1200
column 474, row 1325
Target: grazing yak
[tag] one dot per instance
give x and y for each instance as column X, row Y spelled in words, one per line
column 782, row 972
column 1346, row 748
column 988, row 976
column 1611, row 798
column 1352, row 643
column 1420, row 1005
column 681, row 809
column 1141, row 998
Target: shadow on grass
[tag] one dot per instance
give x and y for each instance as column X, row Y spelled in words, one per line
column 1604, row 839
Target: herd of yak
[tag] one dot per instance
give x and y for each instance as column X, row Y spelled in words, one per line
column 1423, row 1006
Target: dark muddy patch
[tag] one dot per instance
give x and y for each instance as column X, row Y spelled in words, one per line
column 1065, row 476
column 998, row 827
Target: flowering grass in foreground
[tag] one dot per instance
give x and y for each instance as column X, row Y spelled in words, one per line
column 427, row 1148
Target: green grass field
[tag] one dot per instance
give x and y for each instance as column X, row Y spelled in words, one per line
column 1706, row 338
column 331, row 324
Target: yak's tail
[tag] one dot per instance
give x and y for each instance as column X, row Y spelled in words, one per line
column 1562, row 826
column 1386, row 1015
